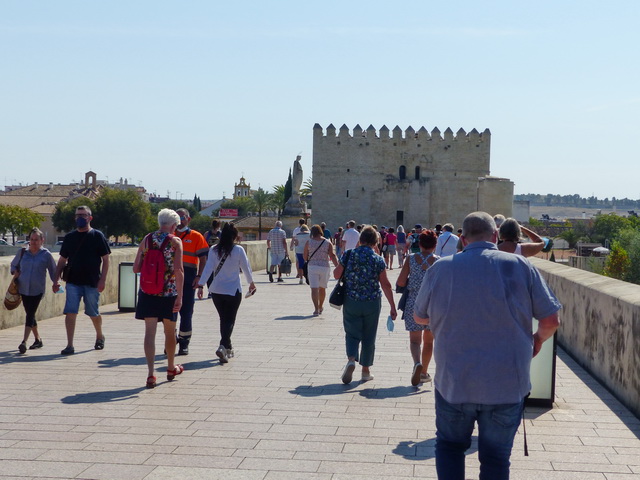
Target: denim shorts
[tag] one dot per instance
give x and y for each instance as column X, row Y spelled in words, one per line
column 90, row 295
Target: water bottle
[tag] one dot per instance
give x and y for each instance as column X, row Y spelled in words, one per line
column 390, row 324
column 61, row 289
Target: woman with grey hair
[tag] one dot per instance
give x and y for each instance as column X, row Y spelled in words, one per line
column 154, row 308
column 29, row 267
column 364, row 276
column 511, row 233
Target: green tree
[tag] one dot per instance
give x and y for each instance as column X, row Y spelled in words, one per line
column 18, row 220
column 201, row 223
column 533, row 222
column 617, row 263
column 278, row 199
column 64, row 216
column 121, row 212
column 307, row 187
column 288, row 188
column 262, row 200
column 629, row 240
column 607, row 226
column 571, row 237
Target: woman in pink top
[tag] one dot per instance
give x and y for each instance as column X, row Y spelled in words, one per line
column 391, row 240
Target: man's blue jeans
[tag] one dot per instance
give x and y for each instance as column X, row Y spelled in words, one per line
column 497, row 427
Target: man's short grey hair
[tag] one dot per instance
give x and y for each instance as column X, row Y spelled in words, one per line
column 478, row 226
column 168, row 217
column 448, row 227
column 84, row 207
column 499, row 219
column 278, row 224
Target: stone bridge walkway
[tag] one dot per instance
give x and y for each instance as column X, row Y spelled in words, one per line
column 276, row 411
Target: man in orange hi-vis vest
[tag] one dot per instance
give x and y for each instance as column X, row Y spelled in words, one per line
column 194, row 258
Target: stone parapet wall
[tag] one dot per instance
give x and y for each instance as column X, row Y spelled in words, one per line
column 600, row 326
column 52, row 304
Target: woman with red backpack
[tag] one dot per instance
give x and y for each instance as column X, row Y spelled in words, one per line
column 159, row 263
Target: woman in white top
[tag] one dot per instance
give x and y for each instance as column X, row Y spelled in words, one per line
column 226, row 260
column 317, row 253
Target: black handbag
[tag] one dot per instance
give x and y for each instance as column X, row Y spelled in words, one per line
column 336, row 299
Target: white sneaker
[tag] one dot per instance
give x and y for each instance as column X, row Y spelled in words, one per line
column 366, row 377
column 300, row 282
column 425, row 378
column 230, row 353
column 222, row 354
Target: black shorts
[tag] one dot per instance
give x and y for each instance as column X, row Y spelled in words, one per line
column 152, row 306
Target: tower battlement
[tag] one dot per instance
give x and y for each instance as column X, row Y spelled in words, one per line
column 398, row 134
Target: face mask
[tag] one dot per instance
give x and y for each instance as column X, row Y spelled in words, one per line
column 81, row 222
column 181, row 229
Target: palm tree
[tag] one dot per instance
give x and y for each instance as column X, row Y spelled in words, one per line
column 261, row 200
column 277, row 199
column 307, row 187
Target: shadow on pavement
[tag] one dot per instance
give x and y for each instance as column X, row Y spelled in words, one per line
column 320, row 390
column 103, row 397
column 391, row 392
column 12, row 357
column 118, row 362
column 295, row 317
column 426, row 449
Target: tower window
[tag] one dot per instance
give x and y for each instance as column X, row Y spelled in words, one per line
column 418, row 173
column 403, row 172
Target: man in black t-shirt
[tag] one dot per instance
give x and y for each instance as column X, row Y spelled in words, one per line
column 84, row 256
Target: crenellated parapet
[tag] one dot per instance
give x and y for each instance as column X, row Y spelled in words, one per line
column 397, row 134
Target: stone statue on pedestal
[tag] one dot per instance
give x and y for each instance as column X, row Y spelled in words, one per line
column 294, row 205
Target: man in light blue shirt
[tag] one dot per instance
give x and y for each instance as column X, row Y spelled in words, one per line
column 480, row 304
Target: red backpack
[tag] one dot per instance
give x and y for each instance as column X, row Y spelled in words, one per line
column 153, row 267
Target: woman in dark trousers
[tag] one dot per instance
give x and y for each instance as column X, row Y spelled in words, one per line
column 364, row 276
column 29, row 268
column 225, row 261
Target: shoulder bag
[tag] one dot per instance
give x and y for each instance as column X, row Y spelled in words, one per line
column 336, row 299
column 12, row 298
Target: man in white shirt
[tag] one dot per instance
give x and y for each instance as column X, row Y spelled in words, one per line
column 350, row 237
column 447, row 241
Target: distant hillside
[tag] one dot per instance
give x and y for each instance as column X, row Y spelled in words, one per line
column 576, row 201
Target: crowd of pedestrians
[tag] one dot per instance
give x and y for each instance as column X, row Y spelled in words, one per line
column 467, row 299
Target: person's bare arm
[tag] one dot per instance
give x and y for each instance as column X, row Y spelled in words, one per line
column 103, row 274
column 546, row 328
column 404, row 275
column 178, row 272
column 332, row 256
column 137, row 263
column 388, row 293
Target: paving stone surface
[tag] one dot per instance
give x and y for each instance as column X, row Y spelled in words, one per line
column 278, row 410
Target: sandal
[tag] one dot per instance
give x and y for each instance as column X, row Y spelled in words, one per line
column 99, row 344
column 177, row 370
column 151, row 382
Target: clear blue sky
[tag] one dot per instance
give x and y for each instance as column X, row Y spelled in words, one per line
column 186, row 96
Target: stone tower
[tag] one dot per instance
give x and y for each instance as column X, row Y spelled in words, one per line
column 241, row 189
column 392, row 178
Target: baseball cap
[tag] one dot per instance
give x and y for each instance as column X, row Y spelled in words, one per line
column 418, row 226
